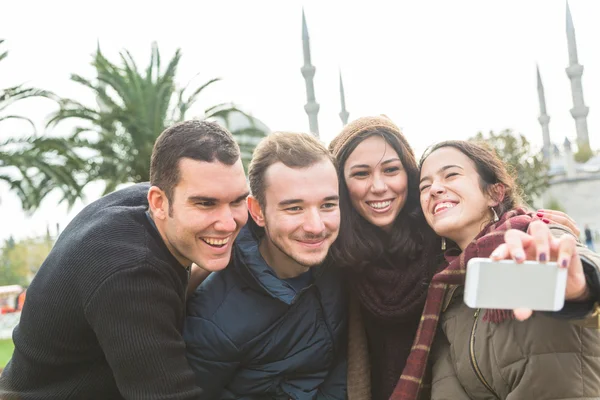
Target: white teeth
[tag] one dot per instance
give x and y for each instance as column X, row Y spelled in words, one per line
column 216, row 242
column 442, row 206
column 380, row 204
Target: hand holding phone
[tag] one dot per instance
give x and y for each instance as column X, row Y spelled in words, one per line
column 539, row 244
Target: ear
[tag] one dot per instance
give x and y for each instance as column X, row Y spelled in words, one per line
column 158, row 203
column 496, row 194
column 256, row 211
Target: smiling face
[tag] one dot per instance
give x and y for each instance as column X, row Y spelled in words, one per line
column 301, row 216
column 205, row 214
column 377, row 182
column 452, row 199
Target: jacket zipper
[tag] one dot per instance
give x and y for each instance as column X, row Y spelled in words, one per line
column 474, row 361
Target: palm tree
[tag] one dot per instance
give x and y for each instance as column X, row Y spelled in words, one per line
column 133, row 107
column 246, row 129
column 32, row 165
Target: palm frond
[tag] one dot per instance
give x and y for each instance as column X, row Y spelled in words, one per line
column 117, row 134
column 19, row 117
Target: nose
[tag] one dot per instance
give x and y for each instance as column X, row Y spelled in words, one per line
column 313, row 223
column 436, row 188
column 225, row 220
column 378, row 186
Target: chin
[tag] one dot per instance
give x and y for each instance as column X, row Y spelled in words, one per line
column 311, row 261
column 443, row 230
column 383, row 223
column 215, row 265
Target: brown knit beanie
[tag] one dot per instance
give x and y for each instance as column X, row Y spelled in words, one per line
column 360, row 125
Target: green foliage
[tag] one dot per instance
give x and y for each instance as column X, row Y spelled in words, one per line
column 248, row 132
column 528, row 169
column 247, row 139
column 19, row 261
column 6, row 351
column 133, row 107
column 583, row 154
column 33, row 165
column 553, row 204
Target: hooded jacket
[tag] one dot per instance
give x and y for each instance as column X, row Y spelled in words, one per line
column 250, row 335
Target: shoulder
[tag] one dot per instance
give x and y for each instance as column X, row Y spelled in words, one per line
column 135, row 287
column 113, row 227
column 226, row 305
column 106, row 237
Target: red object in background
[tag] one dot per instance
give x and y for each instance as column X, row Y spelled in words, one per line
column 21, row 300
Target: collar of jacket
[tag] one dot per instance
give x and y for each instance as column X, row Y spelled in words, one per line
column 256, row 272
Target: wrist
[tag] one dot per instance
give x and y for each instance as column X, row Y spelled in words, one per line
column 585, row 295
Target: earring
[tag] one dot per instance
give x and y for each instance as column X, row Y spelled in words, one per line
column 443, row 243
column 496, row 219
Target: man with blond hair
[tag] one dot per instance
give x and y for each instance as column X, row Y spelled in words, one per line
column 273, row 324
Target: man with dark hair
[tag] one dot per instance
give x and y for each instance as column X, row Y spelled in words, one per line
column 104, row 315
column 273, row 324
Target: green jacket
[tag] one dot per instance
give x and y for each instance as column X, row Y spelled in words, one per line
column 543, row 358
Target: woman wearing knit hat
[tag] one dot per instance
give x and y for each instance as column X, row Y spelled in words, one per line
column 388, row 249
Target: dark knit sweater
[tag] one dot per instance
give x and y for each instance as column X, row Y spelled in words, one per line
column 389, row 347
column 104, row 314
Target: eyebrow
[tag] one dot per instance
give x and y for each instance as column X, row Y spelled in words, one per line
column 289, row 202
column 445, row 167
column 382, row 163
column 197, row 199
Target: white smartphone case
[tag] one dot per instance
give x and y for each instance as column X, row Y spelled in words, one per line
column 508, row 285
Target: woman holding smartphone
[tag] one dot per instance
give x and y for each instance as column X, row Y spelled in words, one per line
column 470, row 200
column 388, row 250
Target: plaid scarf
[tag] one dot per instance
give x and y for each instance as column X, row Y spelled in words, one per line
column 483, row 245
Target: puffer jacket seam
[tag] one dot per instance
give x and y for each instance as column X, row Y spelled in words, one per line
column 219, row 330
column 216, row 308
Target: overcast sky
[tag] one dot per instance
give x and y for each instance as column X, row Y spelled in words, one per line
column 440, row 69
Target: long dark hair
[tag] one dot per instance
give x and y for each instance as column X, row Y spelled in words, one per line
column 359, row 242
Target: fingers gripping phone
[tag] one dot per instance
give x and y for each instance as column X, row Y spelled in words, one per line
column 508, row 285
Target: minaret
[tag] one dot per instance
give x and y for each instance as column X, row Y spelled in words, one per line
column 544, row 119
column 308, row 72
column 344, row 113
column 574, row 72
column 569, row 160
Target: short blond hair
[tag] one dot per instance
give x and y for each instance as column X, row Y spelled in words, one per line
column 294, row 150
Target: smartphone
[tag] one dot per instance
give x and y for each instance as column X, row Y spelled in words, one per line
column 508, row 285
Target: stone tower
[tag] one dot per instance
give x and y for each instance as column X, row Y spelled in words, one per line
column 344, row 113
column 574, row 72
column 544, row 119
column 308, row 72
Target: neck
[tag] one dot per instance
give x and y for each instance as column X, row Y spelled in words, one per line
column 160, row 228
column 463, row 244
column 467, row 236
column 283, row 265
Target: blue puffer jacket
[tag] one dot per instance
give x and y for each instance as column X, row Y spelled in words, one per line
column 249, row 335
